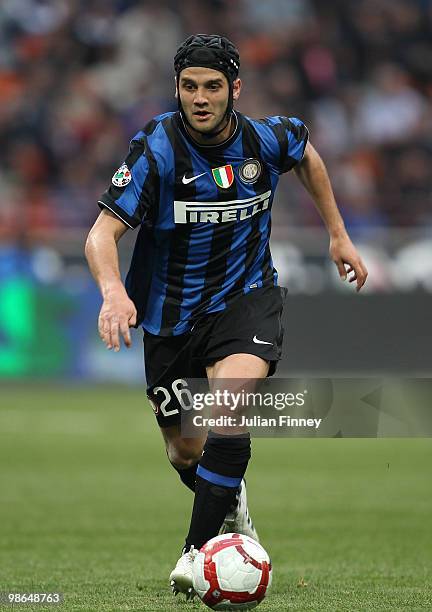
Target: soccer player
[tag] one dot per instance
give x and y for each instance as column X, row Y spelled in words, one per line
column 200, row 183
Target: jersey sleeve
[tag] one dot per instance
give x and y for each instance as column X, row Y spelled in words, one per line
column 131, row 195
column 291, row 136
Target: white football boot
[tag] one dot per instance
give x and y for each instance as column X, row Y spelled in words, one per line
column 181, row 576
column 237, row 519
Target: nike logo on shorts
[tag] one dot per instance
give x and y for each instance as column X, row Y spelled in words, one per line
column 255, row 339
column 186, row 181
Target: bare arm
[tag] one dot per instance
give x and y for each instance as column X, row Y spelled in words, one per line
column 313, row 174
column 118, row 312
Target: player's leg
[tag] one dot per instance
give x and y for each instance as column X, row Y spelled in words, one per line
column 224, row 460
column 219, row 474
column 237, row 518
column 168, row 361
column 183, row 453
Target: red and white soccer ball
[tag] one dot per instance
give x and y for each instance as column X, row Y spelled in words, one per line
column 232, row 572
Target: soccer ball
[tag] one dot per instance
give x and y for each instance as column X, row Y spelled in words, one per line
column 232, row 572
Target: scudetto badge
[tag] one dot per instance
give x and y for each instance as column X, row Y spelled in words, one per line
column 250, row 171
column 223, row 176
column 122, row 177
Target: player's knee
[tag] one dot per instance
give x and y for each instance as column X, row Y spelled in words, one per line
column 183, row 457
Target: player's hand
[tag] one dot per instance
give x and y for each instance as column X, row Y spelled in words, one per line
column 347, row 260
column 117, row 315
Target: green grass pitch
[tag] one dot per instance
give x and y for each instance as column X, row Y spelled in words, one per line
column 89, row 506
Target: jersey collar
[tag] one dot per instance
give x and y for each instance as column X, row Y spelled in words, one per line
column 208, row 147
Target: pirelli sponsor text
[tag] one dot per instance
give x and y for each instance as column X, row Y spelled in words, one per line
column 220, row 212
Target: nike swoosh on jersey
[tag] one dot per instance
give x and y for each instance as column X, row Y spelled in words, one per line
column 255, row 339
column 186, row 181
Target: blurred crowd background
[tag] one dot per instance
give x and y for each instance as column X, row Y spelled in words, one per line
column 78, row 78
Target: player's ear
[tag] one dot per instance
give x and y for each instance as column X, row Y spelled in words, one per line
column 176, row 88
column 237, row 84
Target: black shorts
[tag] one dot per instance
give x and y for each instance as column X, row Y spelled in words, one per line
column 251, row 324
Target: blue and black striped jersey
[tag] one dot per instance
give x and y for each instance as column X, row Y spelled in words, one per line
column 204, row 213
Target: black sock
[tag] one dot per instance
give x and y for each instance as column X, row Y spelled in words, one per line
column 219, row 474
column 188, row 475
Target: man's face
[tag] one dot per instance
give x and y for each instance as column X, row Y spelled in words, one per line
column 204, row 96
